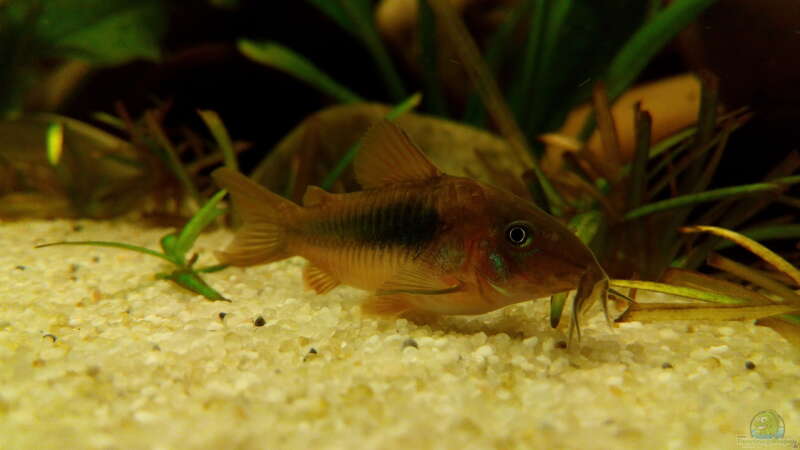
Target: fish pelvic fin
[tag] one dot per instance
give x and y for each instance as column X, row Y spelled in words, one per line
column 262, row 238
column 389, row 156
column 386, row 306
column 318, row 279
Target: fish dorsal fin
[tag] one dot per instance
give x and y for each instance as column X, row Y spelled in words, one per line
column 316, row 196
column 388, row 156
column 418, row 279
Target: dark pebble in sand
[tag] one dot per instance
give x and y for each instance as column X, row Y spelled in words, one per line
column 410, row 343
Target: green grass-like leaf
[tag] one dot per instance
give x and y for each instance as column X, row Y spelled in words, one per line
column 754, row 247
column 498, row 50
column 648, row 41
column 334, row 10
column 175, row 247
column 133, row 248
column 765, row 233
column 434, row 96
column 707, row 196
column 282, row 58
column 189, row 233
column 169, row 155
column 220, row 133
column 638, row 173
column 680, row 291
column 483, row 81
column 356, row 17
column 656, row 312
column 521, row 94
column 645, row 43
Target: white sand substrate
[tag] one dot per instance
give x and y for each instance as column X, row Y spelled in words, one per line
column 95, row 353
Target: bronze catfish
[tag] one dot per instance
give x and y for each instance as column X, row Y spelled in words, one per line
column 421, row 240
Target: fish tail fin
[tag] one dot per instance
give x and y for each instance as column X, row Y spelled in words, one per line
column 262, row 238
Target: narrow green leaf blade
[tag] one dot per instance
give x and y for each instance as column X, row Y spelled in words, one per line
column 681, row 291
column 133, row 248
column 197, row 223
column 715, row 194
column 336, row 12
column 648, row 41
column 190, row 280
column 282, row 58
column 55, row 143
column 220, row 133
column 428, row 58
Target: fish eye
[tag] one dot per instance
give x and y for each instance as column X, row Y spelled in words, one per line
column 518, row 233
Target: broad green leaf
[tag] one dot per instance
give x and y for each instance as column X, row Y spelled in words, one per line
column 101, row 31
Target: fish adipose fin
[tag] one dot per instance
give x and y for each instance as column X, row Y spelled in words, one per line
column 262, row 238
column 386, row 305
column 318, row 279
column 388, row 156
column 316, row 196
column 418, row 279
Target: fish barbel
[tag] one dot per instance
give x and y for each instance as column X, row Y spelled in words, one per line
column 421, row 240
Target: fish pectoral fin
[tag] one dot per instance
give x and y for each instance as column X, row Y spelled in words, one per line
column 419, row 279
column 318, row 279
column 386, row 305
column 388, row 156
